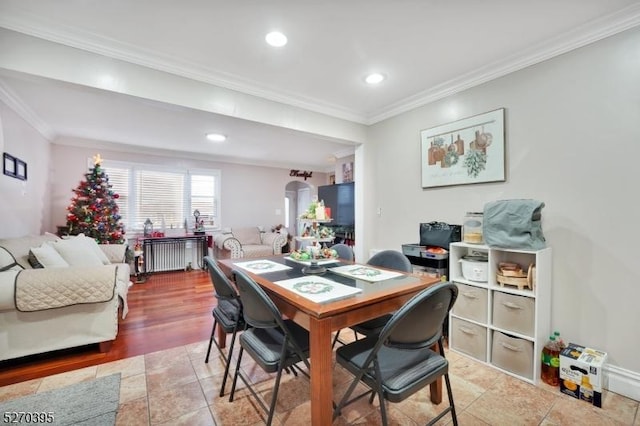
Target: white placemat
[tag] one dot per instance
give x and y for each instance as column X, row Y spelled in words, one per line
column 364, row 272
column 318, row 289
column 262, row 266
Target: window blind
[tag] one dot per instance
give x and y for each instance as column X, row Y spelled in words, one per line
column 160, row 196
column 203, row 197
column 166, row 195
column 119, row 181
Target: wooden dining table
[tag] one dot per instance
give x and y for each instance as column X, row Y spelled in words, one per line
column 323, row 319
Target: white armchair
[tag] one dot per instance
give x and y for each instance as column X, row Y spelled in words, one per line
column 237, row 243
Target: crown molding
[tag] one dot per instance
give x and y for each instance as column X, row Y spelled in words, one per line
column 580, row 36
column 16, row 104
column 86, row 40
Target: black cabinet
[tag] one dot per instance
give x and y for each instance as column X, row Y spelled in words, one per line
column 340, row 198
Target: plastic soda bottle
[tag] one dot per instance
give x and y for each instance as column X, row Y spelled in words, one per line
column 550, row 371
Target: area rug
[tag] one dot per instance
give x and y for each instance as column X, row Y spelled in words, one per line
column 93, row 403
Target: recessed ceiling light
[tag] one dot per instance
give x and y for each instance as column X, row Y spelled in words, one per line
column 374, row 78
column 276, row 39
column 216, row 137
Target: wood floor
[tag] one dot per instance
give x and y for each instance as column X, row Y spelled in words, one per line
column 171, row 309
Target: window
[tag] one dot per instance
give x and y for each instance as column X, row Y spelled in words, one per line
column 286, row 212
column 159, row 197
column 203, row 197
column 166, row 196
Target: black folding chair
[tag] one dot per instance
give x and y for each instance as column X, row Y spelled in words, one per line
column 399, row 361
column 273, row 342
column 390, row 259
column 227, row 314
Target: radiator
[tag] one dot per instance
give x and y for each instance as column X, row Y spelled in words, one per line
column 166, row 256
column 172, row 254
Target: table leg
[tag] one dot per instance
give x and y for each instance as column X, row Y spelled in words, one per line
column 435, row 389
column 221, row 336
column 321, row 372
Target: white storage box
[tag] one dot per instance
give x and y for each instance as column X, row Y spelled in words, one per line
column 469, row 338
column 513, row 313
column 471, row 303
column 512, row 354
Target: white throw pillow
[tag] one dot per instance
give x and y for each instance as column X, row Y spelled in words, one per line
column 76, row 252
column 93, row 245
column 49, row 257
column 51, row 235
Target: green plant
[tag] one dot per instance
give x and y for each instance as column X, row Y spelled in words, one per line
column 451, row 158
column 475, row 162
column 311, row 211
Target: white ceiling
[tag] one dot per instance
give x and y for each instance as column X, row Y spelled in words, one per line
column 426, row 48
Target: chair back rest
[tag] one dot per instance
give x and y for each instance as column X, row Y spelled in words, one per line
column 344, row 251
column 259, row 309
column 221, row 284
column 391, row 259
column 418, row 323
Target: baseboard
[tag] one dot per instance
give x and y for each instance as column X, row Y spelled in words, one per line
column 624, row 382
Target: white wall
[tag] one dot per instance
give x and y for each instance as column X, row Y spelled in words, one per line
column 250, row 194
column 572, row 141
column 23, row 204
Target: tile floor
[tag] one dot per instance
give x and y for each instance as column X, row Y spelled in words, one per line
column 176, row 387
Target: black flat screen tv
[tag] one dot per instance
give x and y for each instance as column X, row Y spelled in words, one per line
column 340, row 198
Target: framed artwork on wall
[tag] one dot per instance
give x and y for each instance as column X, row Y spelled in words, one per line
column 9, row 165
column 21, row 169
column 347, row 172
column 466, row 151
column 14, row 167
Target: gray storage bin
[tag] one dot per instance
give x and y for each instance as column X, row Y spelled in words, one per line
column 471, row 303
column 512, row 354
column 514, row 313
column 469, row 338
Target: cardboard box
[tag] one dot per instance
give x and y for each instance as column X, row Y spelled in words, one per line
column 581, row 373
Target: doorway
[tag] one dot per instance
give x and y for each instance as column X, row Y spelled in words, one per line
column 298, row 196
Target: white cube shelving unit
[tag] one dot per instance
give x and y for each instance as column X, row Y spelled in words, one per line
column 501, row 325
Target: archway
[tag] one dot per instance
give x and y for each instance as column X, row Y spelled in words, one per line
column 298, row 196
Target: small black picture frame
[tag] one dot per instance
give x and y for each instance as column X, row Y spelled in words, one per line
column 9, row 164
column 14, row 167
column 21, row 169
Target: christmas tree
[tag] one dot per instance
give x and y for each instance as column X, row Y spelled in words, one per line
column 93, row 210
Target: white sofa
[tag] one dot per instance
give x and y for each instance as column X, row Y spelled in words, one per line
column 65, row 311
column 238, row 243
